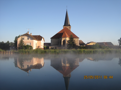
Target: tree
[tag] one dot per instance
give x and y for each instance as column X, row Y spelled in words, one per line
column 15, row 41
column 71, row 42
column 4, row 46
column 27, row 47
column 21, row 44
column 96, row 46
column 11, row 44
column 119, row 42
column 7, row 42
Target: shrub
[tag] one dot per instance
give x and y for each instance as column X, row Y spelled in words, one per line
column 82, row 47
column 38, row 50
column 45, row 47
column 1, row 50
column 28, row 47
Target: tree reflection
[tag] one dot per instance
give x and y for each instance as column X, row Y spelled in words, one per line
column 4, row 58
column 119, row 61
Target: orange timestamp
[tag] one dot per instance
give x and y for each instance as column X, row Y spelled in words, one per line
column 97, row 77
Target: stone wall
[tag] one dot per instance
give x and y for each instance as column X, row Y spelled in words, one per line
column 57, row 42
column 76, row 41
column 54, row 42
column 69, row 27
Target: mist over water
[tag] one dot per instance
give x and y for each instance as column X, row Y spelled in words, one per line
column 60, row 72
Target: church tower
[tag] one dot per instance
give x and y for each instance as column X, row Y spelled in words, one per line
column 61, row 38
column 67, row 23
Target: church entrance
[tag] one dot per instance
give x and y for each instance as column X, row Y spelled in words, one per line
column 64, row 42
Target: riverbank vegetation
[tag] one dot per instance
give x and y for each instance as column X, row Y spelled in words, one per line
column 75, row 51
column 62, row 51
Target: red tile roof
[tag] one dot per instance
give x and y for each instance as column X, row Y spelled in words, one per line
column 35, row 37
column 67, row 70
column 64, row 33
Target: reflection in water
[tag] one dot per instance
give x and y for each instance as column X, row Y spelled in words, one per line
column 99, row 58
column 119, row 61
column 4, row 58
column 27, row 64
column 65, row 66
column 105, row 66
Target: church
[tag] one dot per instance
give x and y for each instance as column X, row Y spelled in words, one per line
column 61, row 38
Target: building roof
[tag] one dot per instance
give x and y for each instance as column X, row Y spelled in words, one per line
column 81, row 42
column 35, row 37
column 66, row 23
column 91, row 42
column 105, row 43
column 65, row 32
column 102, row 43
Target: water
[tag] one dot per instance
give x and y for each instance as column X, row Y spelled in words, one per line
column 60, row 72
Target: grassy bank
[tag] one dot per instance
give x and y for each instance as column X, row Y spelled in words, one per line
column 62, row 51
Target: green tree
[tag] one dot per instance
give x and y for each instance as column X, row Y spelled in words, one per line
column 4, row 46
column 28, row 47
column 119, row 42
column 7, row 42
column 21, row 44
column 96, row 46
column 11, row 44
column 15, row 41
column 71, row 42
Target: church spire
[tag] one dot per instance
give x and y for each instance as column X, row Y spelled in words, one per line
column 67, row 79
column 67, row 23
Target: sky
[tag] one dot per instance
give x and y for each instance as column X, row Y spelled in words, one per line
column 90, row 20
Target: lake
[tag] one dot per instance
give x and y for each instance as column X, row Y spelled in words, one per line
column 60, row 72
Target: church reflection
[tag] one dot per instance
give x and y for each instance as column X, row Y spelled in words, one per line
column 27, row 64
column 65, row 66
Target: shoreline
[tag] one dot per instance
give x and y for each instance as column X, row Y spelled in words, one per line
column 62, row 51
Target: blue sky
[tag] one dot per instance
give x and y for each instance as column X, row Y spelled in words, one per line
column 91, row 20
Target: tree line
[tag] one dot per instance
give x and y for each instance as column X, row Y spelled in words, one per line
column 6, row 45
